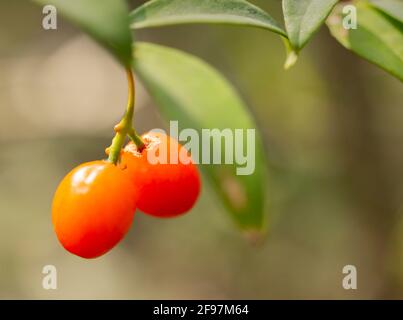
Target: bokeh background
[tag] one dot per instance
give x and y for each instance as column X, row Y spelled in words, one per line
column 333, row 129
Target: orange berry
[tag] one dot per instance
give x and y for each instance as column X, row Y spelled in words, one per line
column 93, row 208
column 164, row 189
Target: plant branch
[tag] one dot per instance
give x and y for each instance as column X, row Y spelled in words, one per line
column 124, row 127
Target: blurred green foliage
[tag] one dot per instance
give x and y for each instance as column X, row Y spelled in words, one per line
column 332, row 129
column 106, row 21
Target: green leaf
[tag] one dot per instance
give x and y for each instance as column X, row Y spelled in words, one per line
column 106, row 21
column 188, row 90
column 378, row 37
column 303, row 18
column 158, row 13
column 393, row 8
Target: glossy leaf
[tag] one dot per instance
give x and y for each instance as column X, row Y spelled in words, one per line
column 303, row 18
column 158, row 13
column 106, row 21
column 393, row 8
column 378, row 37
column 188, row 90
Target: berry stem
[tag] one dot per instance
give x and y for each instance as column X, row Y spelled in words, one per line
column 124, row 127
column 136, row 139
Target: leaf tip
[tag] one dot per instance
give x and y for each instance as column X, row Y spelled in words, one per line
column 291, row 60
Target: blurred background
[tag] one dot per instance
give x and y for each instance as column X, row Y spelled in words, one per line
column 333, row 129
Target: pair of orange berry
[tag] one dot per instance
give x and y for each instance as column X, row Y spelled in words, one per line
column 94, row 205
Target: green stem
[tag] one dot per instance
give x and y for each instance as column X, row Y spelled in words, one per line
column 136, row 139
column 124, row 127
